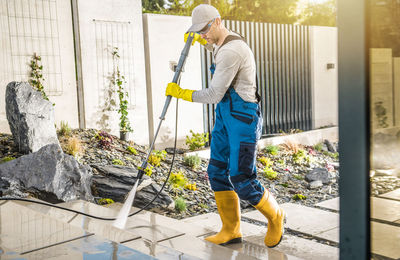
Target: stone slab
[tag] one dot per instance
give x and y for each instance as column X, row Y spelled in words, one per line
column 395, row 195
column 212, row 221
column 295, row 246
column 203, row 249
column 23, row 230
column 332, row 204
column 91, row 247
column 384, row 209
column 385, row 240
column 158, row 251
column 307, row 220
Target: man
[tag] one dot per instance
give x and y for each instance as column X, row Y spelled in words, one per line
column 232, row 168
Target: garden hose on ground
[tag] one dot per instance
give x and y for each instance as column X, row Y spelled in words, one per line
column 178, row 70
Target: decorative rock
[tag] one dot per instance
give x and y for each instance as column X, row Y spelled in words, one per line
column 321, row 174
column 30, row 117
column 115, row 182
column 315, row 184
column 51, row 174
column 330, row 146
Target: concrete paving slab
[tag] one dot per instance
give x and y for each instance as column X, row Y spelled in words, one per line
column 212, row 221
column 91, row 247
column 332, row 204
column 385, row 209
column 260, row 251
column 23, row 230
column 158, row 251
column 307, row 220
column 395, row 195
column 385, row 240
column 157, row 219
column 299, row 247
column 203, row 249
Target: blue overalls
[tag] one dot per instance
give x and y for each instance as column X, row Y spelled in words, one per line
column 232, row 164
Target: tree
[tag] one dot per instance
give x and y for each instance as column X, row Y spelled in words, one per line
column 151, row 6
column 323, row 14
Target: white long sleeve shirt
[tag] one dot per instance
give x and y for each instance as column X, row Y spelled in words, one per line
column 235, row 65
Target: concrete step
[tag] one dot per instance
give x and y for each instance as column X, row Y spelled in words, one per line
column 29, row 234
column 310, row 221
column 291, row 247
column 394, row 195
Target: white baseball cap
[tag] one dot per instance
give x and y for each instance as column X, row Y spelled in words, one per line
column 201, row 16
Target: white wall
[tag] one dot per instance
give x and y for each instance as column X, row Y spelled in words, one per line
column 165, row 43
column 113, row 23
column 323, row 47
column 46, row 30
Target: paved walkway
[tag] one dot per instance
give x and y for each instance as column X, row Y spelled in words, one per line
column 31, row 231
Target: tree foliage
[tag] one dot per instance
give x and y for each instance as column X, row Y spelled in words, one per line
column 270, row 11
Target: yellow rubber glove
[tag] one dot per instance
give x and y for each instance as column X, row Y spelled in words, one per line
column 174, row 90
column 196, row 38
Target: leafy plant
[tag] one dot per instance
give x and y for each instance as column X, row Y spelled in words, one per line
column 284, row 185
column 105, row 201
column 281, row 162
column 105, row 139
column 64, row 130
column 298, row 176
column 74, row 146
column 334, row 156
column 318, row 147
column 299, row 156
column 191, row 186
column 180, row 204
column 149, row 170
column 36, row 76
column 117, row 162
column 272, row 149
column 291, row 146
column 118, row 81
column 203, row 206
column 156, row 157
column 197, row 140
column 270, row 173
column 193, row 161
column 132, row 150
column 299, row 197
column 177, row 180
column 265, row 161
column 6, row 159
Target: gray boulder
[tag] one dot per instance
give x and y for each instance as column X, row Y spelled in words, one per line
column 50, row 174
column 115, row 182
column 30, row 117
column 320, row 174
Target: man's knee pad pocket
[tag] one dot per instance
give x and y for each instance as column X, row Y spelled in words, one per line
column 247, row 156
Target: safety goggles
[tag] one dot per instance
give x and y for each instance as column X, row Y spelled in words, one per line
column 206, row 28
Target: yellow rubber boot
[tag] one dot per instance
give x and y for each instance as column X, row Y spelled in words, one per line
column 276, row 219
column 229, row 212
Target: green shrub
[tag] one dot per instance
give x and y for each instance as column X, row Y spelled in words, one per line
column 105, row 201
column 177, row 180
column 193, row 161
column 318, row 147
column 6, row 159
column 298, row 176
column 117, row 162
column 281, row 162
column 284, row 185
column 132, row 150
column 64, row 130
column 74, row 146
column 180, row 204
column 203, row 206
column 197, row 140
column 269, row 173
column 299, row 197
column 265, row 161
column 149, row 170
column 156, row 157
column 191, row 186
column 299, row 156
column 334, row 156
column 272, row 149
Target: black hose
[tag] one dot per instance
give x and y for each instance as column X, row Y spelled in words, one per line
column 110, row 219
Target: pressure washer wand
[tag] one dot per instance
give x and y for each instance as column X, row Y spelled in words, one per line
column 178, row 70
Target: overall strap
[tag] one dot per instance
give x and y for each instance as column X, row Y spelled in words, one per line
column 233, row 38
